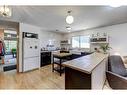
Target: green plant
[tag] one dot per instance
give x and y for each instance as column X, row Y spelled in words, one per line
column 13, row 50
column 105, row 47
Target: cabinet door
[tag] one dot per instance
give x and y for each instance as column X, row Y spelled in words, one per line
column 31, row 63
column 45, row 58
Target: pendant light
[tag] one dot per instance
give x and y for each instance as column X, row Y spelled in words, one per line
column 68, row 28
column 5, row 11
column 69, row 18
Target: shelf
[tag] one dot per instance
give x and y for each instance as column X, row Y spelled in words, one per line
column 65, row 44
column 99, row 42
column 58, row 62
column 58, row 69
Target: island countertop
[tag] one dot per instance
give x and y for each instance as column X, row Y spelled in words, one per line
column 61, row 54
column 86, row 63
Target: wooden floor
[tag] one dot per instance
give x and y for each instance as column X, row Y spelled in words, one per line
column 36, row 79
column 43, row 78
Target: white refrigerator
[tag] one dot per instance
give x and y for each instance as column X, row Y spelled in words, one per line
column 30, row 52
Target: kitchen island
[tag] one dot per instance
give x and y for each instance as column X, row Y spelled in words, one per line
column 87, row 72
column 61, row 57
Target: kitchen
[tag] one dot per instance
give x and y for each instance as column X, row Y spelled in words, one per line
column 48, row 46
column 48, row 52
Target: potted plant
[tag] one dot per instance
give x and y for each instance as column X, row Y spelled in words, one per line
column 105, row 47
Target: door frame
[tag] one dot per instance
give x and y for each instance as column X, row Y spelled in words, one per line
column 17, row 55
column 13, row 25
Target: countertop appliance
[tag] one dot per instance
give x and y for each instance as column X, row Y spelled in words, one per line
column 30, row 51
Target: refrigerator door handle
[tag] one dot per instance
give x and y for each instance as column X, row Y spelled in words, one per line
column 35, row 47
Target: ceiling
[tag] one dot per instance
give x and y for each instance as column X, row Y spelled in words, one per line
column 52, row 18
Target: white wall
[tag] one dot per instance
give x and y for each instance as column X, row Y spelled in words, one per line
column 44, row 38
column 117, row 37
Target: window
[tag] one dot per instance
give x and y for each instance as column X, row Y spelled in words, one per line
column 10, row 45
column 84, row 41
column 81, row 42
column 75, row 42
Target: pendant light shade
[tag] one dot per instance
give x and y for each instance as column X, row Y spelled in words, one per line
column 68, row 28
column 69, row 18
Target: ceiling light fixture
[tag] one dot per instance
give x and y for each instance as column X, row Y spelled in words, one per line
column 57, row 30
column 69, row 18
column 5, row 11
column 68, row 28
